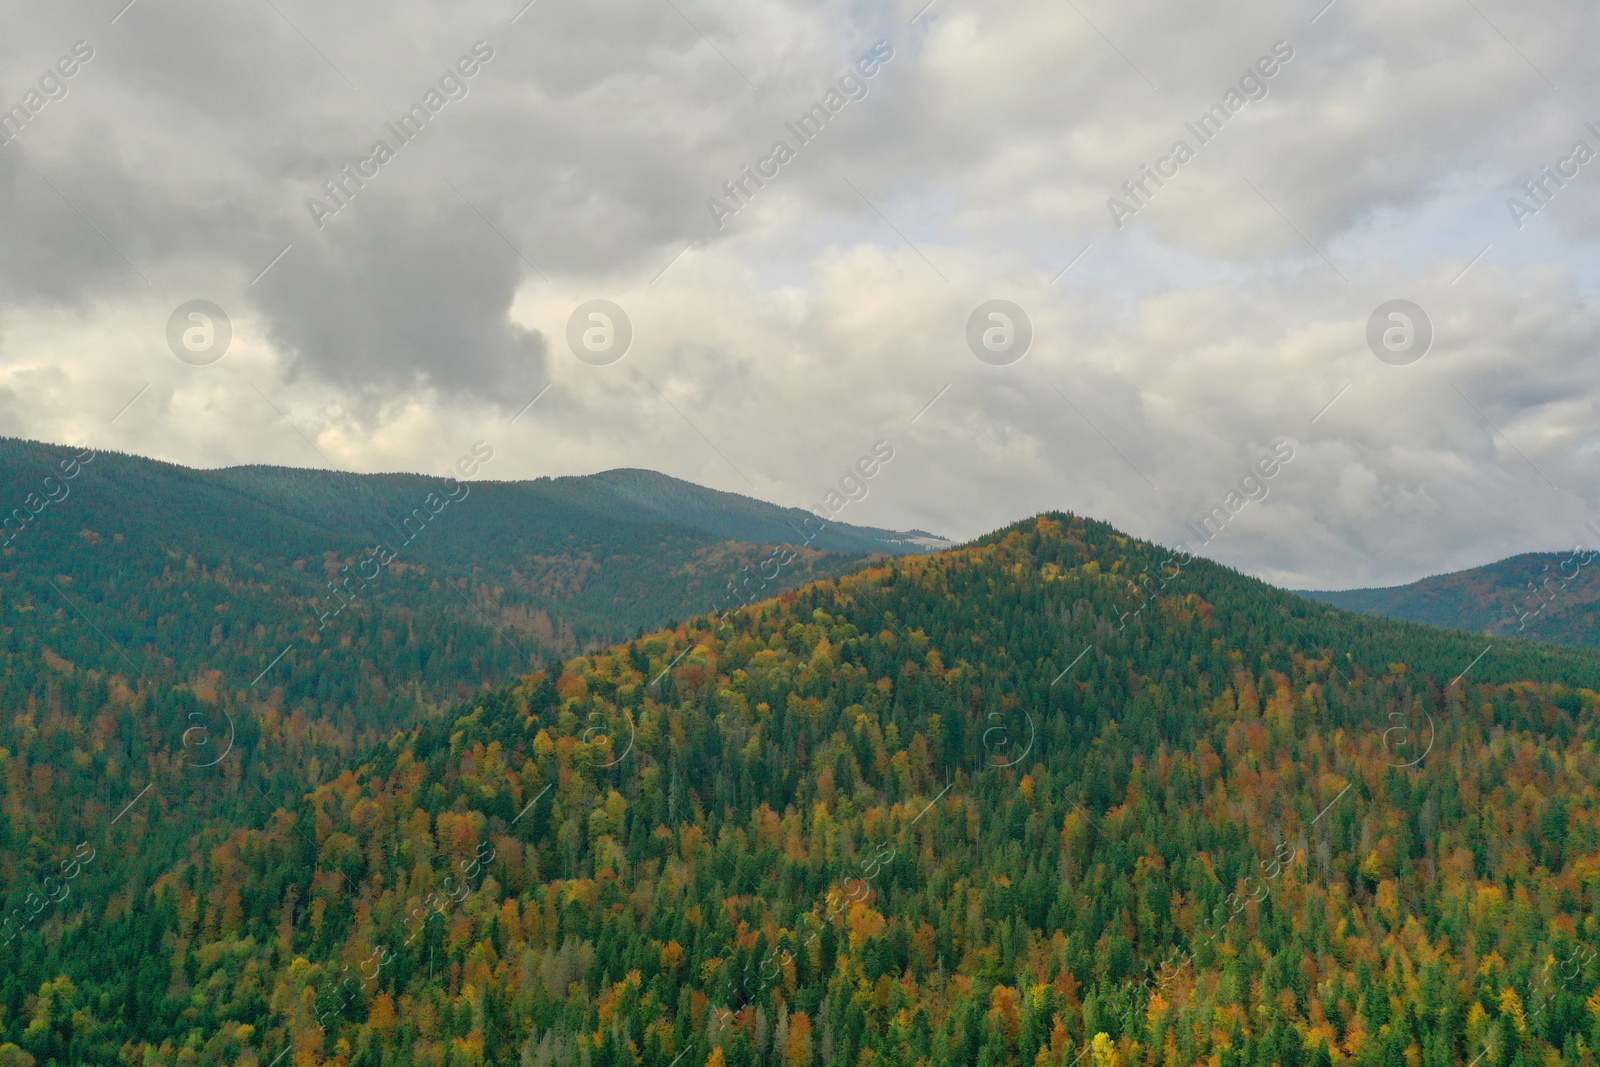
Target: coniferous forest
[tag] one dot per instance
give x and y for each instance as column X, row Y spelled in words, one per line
column 1054, row 797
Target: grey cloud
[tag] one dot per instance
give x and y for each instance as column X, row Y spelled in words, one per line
column 402, row 294
column 808, row 328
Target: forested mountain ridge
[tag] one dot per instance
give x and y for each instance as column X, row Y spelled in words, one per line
column 1054, row 797
column 363, row 602
column 562, row 562
column 1541, row 596
column 156, row 621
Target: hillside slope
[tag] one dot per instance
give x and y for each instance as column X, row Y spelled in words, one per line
column 1051, row 798
column 130, row 563
column 1541, row 596
column 157, row 621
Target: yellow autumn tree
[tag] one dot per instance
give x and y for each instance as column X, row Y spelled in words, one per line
column 797, row 1050
column 382, row 1017
column 864, row 924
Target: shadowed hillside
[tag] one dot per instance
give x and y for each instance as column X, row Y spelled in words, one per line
column 1542, row 596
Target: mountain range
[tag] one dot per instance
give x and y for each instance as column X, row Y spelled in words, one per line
column 1054, row 797
column 172, row 570
column 1541, row 596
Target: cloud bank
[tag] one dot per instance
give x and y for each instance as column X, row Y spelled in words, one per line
column 540, row 157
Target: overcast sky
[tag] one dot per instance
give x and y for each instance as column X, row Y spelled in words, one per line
column 1175, row 335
